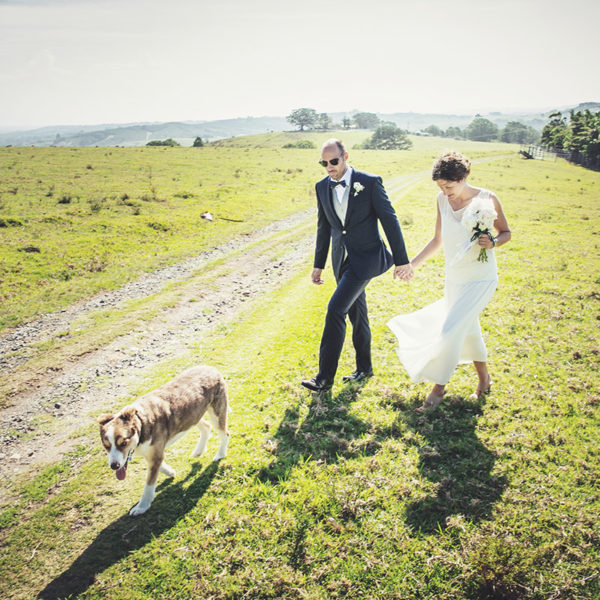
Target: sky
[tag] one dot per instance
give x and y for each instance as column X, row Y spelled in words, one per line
column 85, row 62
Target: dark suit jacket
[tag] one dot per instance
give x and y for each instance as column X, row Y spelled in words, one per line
column 359, row 235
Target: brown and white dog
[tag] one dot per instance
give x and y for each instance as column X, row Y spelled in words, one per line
column 161, row 417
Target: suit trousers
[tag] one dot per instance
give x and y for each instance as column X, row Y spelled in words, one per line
column 349, row 299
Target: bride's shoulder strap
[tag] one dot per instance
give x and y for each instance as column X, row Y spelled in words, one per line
column 440, row 199
column 486, row 194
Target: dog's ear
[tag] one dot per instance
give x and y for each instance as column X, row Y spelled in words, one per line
column 104, row 419
column 127, row 414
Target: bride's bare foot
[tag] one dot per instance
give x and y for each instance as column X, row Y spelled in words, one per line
column 483, row 387
column 432, row 401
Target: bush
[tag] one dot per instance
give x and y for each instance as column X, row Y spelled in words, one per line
column 304, row 144
column 167, row 142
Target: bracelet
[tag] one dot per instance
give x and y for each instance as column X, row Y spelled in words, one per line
column 492, row 239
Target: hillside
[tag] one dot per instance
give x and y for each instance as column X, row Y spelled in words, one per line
column 184, row 132
column 139, row 134
column 345, row 495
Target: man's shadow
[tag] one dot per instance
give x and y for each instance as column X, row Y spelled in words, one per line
column 128, row 534
column 329, row 432
column 454, row 458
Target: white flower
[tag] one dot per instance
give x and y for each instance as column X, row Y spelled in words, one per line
column 478, row 219
column 358, row 187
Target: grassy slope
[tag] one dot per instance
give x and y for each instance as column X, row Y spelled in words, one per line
column 355, row 496
column 100, row 217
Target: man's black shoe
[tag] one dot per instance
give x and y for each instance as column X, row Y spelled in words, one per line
column 317, row 384
column 358, row 376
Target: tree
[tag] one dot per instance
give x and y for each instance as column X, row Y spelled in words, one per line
column 303, row 117
column 517, row 133
column 324, row 121
column 388, row 137
column 554, row 133
column 454, row 132
column 434, row 130
column 583, row 130
column 365, row 120
column 346, row 123
column 581, row 136
column 481, row 130
column 198, row 143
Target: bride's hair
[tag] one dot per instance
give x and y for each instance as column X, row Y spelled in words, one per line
column 451, row 166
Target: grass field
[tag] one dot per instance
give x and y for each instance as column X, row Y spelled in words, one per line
column 352, row 495
column 76, row 221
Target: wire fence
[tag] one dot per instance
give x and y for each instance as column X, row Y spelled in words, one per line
column 547, row 153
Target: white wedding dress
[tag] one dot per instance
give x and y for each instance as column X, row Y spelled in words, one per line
column 434, row 340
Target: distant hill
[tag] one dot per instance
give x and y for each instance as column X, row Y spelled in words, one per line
column 139, row 134
column 582, row 106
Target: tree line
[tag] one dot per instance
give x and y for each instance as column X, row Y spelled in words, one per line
column 484, row 130
column 480, row 129
column 578, row 138
column 387, row 135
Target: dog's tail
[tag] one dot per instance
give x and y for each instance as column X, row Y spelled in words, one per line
column 222, row 395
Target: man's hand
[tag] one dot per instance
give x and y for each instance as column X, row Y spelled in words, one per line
column 316, row 276
column 404, row 272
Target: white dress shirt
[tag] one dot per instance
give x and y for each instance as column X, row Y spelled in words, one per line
column 339, row 190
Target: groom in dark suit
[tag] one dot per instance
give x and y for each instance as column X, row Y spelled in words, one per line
column 350, row 204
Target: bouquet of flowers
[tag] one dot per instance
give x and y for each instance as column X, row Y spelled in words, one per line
column 479, row 218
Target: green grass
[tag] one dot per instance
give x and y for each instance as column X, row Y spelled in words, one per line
column 79, row 220
column 354, row 495
column 101, row 326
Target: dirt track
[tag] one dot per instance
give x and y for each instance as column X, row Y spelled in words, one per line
column 42, row 422
column 64, row 399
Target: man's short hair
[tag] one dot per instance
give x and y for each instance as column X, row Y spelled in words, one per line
column 335, row 142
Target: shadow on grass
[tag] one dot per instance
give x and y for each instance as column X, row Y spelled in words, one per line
column 454, row 458
column 327, row 433
column 128, row 534
column 451, row 454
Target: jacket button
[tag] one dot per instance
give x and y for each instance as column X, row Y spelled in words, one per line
column 344, row 232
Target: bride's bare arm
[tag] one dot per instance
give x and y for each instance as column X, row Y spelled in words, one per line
column 432, row 246
column 500, row 225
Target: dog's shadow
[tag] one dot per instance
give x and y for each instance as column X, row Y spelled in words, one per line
column 128, row 534
column 327, row 433
column 452, row 456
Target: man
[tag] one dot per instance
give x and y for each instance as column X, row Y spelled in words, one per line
column 350, row 203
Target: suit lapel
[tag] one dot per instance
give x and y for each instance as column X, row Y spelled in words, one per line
column 327, row 202
column 351, row 198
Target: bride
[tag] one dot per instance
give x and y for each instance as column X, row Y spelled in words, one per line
column 434, row 340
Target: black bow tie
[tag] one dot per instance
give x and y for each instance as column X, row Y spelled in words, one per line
column 333, row 183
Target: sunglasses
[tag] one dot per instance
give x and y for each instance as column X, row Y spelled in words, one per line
column 333, row 161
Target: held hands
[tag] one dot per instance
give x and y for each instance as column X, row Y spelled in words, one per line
column 404, row 272
column 316, row 276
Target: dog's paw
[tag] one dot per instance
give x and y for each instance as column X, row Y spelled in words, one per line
column 199, row 449
column 167, row 470
column 139, row 509
column 219, row 455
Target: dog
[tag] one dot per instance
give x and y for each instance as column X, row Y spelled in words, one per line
column 161, row 417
